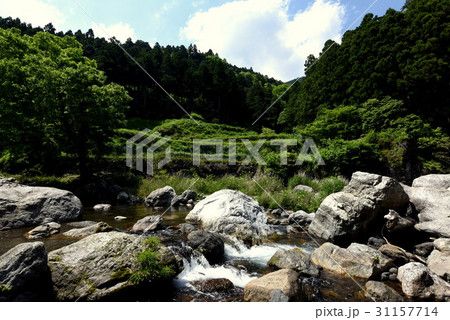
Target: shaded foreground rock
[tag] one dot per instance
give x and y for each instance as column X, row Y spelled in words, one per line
column 207, row 243
column 231, row 212
column 149, row 223
column 293, row 259
column 213, row 285
column 418, row 281
column 349, row 215
column 380, row 292
column 358, row 260
column 24, row 274
column 267, row 287
column 23, row 206
column 161, row 197
column 89, row 230
column 96, row 267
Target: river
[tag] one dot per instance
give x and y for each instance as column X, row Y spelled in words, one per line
column 241, row 264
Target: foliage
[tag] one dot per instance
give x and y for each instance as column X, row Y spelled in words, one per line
column 403, row 54
column 54, row 103
column 150, row 266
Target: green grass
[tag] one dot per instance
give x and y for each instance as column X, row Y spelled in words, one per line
column 150, row 266
column 269, row 191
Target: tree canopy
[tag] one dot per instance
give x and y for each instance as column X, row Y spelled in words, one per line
column 54, row 103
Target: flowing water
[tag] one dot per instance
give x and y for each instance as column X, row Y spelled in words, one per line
column 241, row 264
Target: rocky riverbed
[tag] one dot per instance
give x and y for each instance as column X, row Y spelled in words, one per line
column 377, row 240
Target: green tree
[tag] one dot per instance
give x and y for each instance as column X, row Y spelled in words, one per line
column 54, row 103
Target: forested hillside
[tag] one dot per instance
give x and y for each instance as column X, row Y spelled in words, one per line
column 201, row 82
column 378, row 101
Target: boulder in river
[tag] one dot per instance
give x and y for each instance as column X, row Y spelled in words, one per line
column 267, row 288
column 349, row 215
column 186, row 197
column 358, row 260
column 439, row 260
column 209, row 244
column 24, row 274
column 89, row 230
column 147, row 224
column 97, row 267
column 44, row 231
column 294, row 259
column 102, row 207
column 161, row 197
column 301, row 219
column 418, row 281
column 231, row 212
column 24, row 206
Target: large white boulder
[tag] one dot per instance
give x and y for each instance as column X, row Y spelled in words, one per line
column 231, row 212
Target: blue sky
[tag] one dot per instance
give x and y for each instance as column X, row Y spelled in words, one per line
column 273, row 37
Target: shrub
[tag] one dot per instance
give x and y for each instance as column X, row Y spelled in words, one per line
column 150, row 266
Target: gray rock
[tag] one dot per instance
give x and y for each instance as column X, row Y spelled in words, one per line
column 187, row 197
column 294, row 259
column 358, row 260
column 161, row 197
column 278, row 296
column 24, row 274
column 301, row 218
column 384, row 191
column 213, row 285
column 209, row 244
column 96, row 267
column 435, row 181
column 149, row 223
column 432, row 204
column 231, row 212
column 120, row 218
column 393, row 277
column 81, row 224
column 418, row 281
column 435, row 228
column 400, row 257
column 424, row 249
column 23, row 206
column 303, row 188
column 380, row 292
column 277, row 212
column 375, row 243
column 102, row 207
column 44, row 231
column 439, row 260
column 187, row 228
column 349, row 215
column 385, row 276
column 89, row 230
column 265, row 288
column 123, row 197
column 397, row 223
column 393, row 270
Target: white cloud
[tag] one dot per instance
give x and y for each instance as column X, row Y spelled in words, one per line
column 121, row 31
column 36, row 12
column 261, row 34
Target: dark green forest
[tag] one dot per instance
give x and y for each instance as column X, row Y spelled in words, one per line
column 378, row 101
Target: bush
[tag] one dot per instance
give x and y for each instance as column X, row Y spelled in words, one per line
column 150, row 266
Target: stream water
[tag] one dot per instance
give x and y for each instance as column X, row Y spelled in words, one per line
column 241, row 264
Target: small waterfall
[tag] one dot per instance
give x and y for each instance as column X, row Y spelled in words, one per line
column 198, row 268
column 258, row 255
